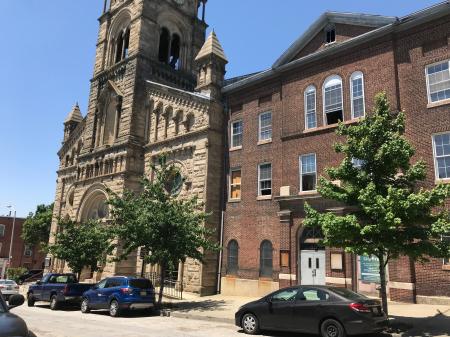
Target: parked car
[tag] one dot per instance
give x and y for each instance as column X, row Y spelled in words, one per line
column 8, row 288
column 57, row 289
column 10, row 324
column 30, row 275
column 328, row 311
column 117, row 294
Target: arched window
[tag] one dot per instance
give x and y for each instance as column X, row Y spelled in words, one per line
column 310, row 107
column 175, row 52
column 2, row 230
column 121, row 45
column 266, row 259
column 164, row 46
column 357, row 94
column 233, row 258
column 332, row 100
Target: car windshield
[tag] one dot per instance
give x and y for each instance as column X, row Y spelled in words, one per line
column 348, row 294
column 140, row 283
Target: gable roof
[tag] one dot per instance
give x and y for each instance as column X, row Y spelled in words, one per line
column 400, row 24
column 325, row 19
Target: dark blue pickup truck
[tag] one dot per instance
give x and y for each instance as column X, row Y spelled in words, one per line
column 57, row 289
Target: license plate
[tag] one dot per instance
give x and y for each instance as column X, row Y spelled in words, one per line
column 143, row 293
column 9, row 288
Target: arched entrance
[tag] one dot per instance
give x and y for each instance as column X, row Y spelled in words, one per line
column 311, row 260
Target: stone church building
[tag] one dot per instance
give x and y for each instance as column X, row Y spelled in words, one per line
column 155, row 89
column 253, row 147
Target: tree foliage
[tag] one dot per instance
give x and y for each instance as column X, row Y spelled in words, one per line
column 172, row 229
column 36, row 228
column 392, row 217
column 81, row 245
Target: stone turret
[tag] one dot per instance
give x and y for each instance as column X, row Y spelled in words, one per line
column 211, row 62
column 73, row 119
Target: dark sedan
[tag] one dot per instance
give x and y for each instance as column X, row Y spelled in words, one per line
column 328, row 311
column 10, row 324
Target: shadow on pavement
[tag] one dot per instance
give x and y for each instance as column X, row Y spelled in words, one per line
column 65, row 307
column 201, row 306
column 438, row 325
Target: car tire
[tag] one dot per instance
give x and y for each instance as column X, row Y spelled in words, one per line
column 250, row 324
column 332, row 328
column 54, row 304
column 114, row 309
column 85, row 306
column 30, row 300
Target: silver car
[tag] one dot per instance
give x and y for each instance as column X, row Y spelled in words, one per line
column 9, row 288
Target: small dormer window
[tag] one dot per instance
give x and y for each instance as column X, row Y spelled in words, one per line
column 330, row 34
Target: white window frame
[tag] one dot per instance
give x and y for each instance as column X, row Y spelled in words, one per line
column 309, row 90
column 446, row 262
column 326, row 84
column 357, row 75
column 259, row 179
column 435, row 158
column 428, row 82
column 2, row 230
column 233, row 146
column 301, row 173
column 260, row 127
column 230, row 183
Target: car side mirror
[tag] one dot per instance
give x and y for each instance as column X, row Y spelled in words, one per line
column 38, row 282
column 15, row 301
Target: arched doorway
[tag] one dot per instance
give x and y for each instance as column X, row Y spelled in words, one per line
column 311, row 261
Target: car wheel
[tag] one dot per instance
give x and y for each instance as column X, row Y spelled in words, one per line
column 30, row 300
column 85, row 306
column 250, row 324
column 332, row 328
column 114, row 310
column 54, row 304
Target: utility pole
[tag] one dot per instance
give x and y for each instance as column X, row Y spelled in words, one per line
column 12, row 237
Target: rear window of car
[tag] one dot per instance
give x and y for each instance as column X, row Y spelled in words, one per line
column 140, row 283
column 348, row 294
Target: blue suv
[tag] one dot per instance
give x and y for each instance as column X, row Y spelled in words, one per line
column 117, row 294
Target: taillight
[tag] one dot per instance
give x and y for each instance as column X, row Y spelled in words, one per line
column 66, row 290
column 126, row 291
column 359, row 307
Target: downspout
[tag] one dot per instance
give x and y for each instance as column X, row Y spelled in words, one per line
column 219, row 271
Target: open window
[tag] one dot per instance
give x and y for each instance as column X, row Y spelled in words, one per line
column 164, row 45
column 330, row 34
column 332, row 96
column 174, row 61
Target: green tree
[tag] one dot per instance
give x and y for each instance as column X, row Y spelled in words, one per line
column 172, row 229
column 392, row 217
column 81, row 245
column 36, row 228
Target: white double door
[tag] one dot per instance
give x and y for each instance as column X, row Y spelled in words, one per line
column 312, row 267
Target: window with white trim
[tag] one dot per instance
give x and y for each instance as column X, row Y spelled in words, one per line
column 441, row 145
column 2, row 230
column 235, row 184
column 265, row 126
column 310, row 108
column 446, row 238
column 236, row 134
column 438, row 81
column 308, row 173
column 357, row 94
column 265, row 179
column 332, row 100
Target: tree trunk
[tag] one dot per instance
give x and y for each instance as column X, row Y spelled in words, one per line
column 161, row 286
column 383, row 292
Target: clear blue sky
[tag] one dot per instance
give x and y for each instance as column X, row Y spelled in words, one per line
column 47, row 53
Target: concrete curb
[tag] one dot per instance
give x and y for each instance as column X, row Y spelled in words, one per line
column 202, row 318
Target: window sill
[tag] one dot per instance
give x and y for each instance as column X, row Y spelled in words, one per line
column 233, row 201
column 446, row 267
column 439, row 103
column 262, row 142
column 264, row 197
column 442, row 181
column 307, row 132
column 308, row 193
column 237, row 148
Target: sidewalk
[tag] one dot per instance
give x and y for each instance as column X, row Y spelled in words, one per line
column 408, row 320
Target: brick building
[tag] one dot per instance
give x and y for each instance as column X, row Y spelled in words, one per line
column 282, row 125
column 23, row 255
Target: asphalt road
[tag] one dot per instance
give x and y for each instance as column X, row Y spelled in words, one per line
column 71, row 323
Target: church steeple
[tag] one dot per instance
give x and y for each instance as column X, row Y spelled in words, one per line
column 211, row 62
column 72, row 120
